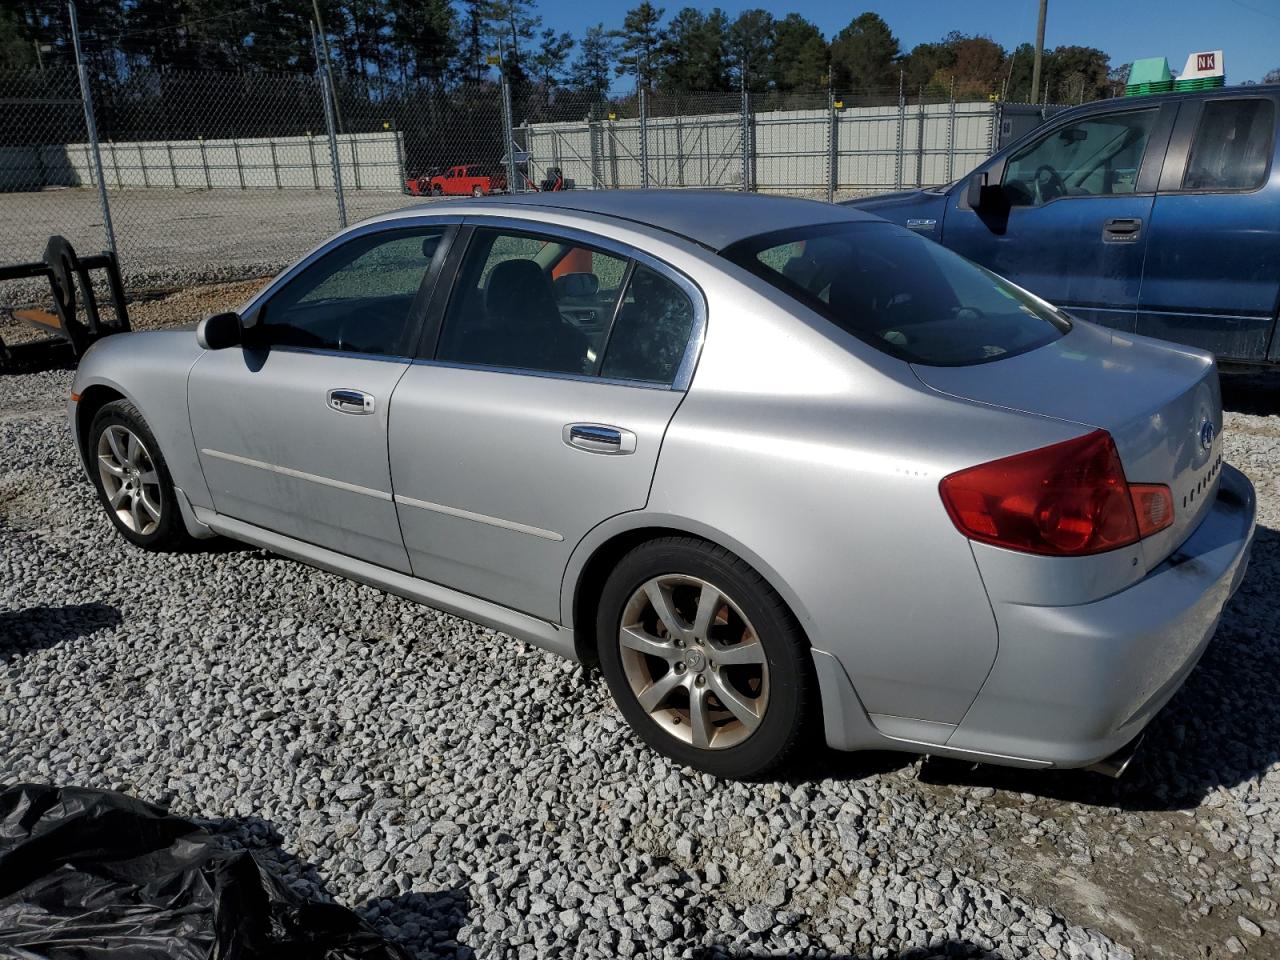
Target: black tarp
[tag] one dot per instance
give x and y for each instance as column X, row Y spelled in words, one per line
column 91, row 874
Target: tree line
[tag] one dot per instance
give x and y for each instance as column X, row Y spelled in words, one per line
column 443, row 43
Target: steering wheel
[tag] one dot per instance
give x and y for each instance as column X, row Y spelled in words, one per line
column 1049, row 183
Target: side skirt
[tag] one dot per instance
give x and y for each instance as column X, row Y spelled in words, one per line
column 540, row 633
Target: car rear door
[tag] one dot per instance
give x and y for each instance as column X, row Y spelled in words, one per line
column 292, row 428
column 1212, row 277
column 1073, row 212
column 533, row 416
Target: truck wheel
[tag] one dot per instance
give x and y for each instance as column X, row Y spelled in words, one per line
column 132, row 479
column 703, row 658
column 437, row 190
column 477, row 191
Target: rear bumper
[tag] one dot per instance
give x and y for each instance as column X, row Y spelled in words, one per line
column 1071, row 685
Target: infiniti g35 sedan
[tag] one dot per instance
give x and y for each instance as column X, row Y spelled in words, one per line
column 783, row 470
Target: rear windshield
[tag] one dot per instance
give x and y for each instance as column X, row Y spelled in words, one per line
column 903, row 294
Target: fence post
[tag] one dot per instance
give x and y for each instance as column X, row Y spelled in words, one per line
column 951, row 135
column 746, row 139
column 644, row 140
column 920, row 139
column 235, row 147
column 326, row 96
column 403, row 177
column 311, row 151
column 508, row 131
column 595, row 135
column 142, row 162
column 204, row 162
column 115, row 163
column 86, row 96
column 902, row 124
column 173, row 168
column 993, row 137
column 833, row 132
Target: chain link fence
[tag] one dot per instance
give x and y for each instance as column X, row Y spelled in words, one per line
column 217, row 176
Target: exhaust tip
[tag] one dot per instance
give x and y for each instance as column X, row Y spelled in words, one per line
column 1115, row 765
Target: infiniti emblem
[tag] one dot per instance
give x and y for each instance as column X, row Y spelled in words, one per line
column 1207, row 433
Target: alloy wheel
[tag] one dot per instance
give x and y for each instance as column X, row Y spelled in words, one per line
column 129, row 478
column 694, row 661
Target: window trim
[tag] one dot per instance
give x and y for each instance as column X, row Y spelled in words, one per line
column 251, row 312
column 446, row 287
column 1188, row 133
column 1145, row 183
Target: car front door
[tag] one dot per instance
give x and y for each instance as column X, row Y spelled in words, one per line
column 1212, row 278
column 1070, row 217
column 291, row 428
column 538, row 408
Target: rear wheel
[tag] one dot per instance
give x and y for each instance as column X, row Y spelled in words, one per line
column 477, row 191
column 132, row 479
column 703, row 658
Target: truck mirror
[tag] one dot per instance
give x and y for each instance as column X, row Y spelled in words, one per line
column 974, row 188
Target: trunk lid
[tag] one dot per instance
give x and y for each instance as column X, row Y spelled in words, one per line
column 1160, row 402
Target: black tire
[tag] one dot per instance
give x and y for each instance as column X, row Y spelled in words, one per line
column 169, row 532
column 791, row 681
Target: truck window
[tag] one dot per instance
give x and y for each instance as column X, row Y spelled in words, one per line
column 1232, row 146
column 1096, row 156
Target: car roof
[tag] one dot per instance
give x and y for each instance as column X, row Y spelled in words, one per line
column 711, row 218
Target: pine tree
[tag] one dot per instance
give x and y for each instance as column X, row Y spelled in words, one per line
column 640, row 46
column 593, row 68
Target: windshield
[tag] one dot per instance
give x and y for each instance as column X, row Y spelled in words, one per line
column 903, row 294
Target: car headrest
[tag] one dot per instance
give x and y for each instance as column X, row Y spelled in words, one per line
column 520, row 288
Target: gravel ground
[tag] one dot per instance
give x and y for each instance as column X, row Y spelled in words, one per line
column 469, row 794
column 169, row 239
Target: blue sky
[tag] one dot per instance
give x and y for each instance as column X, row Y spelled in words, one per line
column 1247, row 30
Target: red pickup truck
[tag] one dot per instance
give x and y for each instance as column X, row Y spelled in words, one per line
column 474, row 179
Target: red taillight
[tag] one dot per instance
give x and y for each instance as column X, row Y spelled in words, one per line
column 1066, row 500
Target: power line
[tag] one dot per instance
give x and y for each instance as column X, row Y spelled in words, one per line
column 256, row 7
column 1265, row 13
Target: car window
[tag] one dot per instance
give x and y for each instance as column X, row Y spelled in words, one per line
column 357, row 298
column 1232, row 145
column 1098, row 156
column 901, row 293
column 651, row 330
column 529, row 302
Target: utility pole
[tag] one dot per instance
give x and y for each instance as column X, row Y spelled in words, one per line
column 328, row 70
column 1035, row 68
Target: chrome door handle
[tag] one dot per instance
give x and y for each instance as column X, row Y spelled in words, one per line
column 346, row 400
column 599, row 438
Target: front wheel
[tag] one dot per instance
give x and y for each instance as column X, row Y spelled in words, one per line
column 132, row 479
column 703, row 658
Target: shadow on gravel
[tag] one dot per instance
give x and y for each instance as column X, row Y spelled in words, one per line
column 1253, row 393
column 942, row 950
column 1220, row 730
column 424, row 925
column 36, row 628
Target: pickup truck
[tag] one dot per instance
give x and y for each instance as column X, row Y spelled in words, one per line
column 1156, row 215
column 470, row 179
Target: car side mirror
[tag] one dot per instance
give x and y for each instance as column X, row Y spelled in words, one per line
column 219, row 331
column 974, row 190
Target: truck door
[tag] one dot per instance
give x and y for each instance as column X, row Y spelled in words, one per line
column 1072, row 212
column 1212, row 277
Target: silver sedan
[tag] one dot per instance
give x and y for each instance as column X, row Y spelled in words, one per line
column 781, row 469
